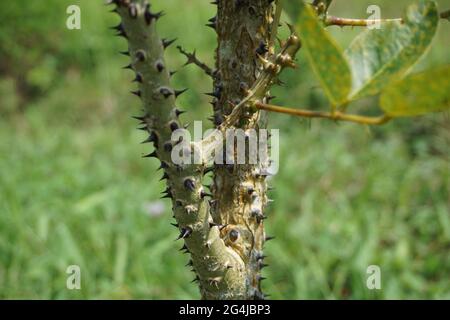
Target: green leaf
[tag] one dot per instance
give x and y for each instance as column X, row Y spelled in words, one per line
column 292, row 9
column 378, row 56
column 418, row 94
column 325, row 56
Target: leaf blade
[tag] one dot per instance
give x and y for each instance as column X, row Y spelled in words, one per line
column 324, row 55
column 379, row 56
column 418, row 94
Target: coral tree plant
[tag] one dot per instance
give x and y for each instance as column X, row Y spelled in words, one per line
column 223, row 228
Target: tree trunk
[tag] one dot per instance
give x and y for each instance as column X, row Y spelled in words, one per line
column 243, row 30
column 223, row 235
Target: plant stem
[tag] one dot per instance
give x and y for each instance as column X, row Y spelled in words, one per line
column 275, row 24
column 237, row 190
column 338, row 116
column 220, row 272
column 343, row 22
column 192, row 59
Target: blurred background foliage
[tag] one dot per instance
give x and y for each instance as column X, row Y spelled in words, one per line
column 74, row 189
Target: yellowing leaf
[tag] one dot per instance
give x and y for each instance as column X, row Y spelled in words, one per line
column 325, row 56
column 378, row 56
column 418, row 94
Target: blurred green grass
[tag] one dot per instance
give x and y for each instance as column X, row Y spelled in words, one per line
column 74, row 189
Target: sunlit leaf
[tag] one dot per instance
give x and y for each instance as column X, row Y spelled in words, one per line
column 378, row 56
column 323, row 53
column 418, row 94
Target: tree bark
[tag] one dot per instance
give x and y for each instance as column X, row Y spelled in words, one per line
column 243, row 31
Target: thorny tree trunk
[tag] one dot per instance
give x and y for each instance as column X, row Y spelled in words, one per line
column 243, row 29
column 223, row 235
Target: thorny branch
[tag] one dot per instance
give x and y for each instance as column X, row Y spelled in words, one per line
column 272, row 68
column 192, row 59
column 219, row 270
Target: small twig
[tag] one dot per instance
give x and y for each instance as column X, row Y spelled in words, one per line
column 192, row 59
column 275, row 24
column 445, row 14
column 271, row 69
column 343, row 22
column 321, row 5
column 337, row 116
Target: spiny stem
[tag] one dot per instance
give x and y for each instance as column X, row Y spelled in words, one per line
column 272, row 68
column 338, row 116
column 221, row 272
column 192, row 59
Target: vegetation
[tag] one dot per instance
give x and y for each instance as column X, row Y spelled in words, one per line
column 74, row 190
